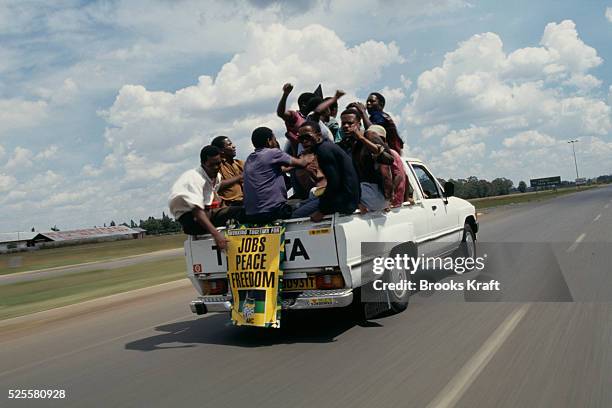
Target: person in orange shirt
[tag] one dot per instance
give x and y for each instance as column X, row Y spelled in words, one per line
column 231, row 172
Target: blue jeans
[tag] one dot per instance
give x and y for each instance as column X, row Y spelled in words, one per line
column 306, row 208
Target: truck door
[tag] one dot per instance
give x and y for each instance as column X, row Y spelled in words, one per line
column 443, row 228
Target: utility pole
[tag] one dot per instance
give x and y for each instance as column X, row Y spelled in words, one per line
column 575, row 162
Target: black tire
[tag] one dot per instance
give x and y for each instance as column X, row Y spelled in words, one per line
column 467, row 248
column 357, row 308
column 399, row 298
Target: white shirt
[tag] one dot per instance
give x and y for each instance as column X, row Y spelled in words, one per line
column 192, row 189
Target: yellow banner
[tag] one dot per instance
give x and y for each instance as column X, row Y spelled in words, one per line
column 254, row 255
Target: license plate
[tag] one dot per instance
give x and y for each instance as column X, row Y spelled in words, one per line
column 293, row 285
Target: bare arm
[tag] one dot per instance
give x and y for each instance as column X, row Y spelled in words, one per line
column 364, row 114
column 202, row 219
column 300, row 162
column 281, row 109
column 326, row 104
column 376, row 147
column 229, row 182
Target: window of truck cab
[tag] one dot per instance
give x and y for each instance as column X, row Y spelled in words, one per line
column 427, row 183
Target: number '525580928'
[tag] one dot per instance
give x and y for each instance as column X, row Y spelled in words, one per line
column 37, row 394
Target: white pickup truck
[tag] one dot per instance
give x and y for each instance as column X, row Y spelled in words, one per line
column 324, row 260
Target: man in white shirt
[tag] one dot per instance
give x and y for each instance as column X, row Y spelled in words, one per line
column 192, row 199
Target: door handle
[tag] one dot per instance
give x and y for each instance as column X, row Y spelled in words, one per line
column 434, row 207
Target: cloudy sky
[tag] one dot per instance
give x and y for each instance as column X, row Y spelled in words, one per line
column 104, row 103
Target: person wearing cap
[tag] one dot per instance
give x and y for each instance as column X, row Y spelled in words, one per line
column 398, row 173
column 371, row 159
column 375, row 105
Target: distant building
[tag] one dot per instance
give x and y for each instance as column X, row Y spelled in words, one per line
column 16, row 241
column 140, row 233
column 119, row 231
column 19, row 241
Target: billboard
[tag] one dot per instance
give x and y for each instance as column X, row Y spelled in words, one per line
column 581, row 181
column 546, row 182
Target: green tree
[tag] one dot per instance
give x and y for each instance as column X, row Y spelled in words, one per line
column 522, row 187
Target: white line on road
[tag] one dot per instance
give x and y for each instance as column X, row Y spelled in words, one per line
column 597, row 218
column 607, row 206
column 573, row 247
column 459, row 384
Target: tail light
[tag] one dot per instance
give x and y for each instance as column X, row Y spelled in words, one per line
column 214, row 286
column 334, row 281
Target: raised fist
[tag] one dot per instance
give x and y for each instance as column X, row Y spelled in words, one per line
column 287, row 88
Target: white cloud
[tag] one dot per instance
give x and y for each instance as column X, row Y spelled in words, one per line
column 609, row 14
column 61, row 94
column 21, row 158
column 142, row 120
column 2, row 152
column 7, row 182
column 49, row 153
column 407, row 82
column 571, row 52
column 464, row 136
column 435, row 131
column 583, row 82
column 19, row 113
column 43, row 181
column 393, row 96
column 521, row 98
column 478, row 80
column 273, row 54
column 531, row 138
column 90, row 171
column 460, row 159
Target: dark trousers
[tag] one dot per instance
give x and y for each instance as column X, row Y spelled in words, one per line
column 282, row 212
column 218, row 217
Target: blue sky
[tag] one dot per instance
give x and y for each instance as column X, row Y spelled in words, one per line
column 103, row 104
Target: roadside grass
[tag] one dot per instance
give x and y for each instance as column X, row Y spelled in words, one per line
column 488, row 202
column 100, row 251
column 23, row 298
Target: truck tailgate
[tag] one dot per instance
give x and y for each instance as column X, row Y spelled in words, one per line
column 308, row 246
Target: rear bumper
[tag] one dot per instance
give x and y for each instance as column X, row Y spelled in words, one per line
column 309, row 299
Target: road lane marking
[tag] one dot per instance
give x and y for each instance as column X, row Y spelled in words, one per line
column 597, row 218
column 573, row 247
column 458, row 385
column 91, row 346
column 607, row 206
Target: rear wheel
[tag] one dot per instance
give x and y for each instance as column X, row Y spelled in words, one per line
column 467, row 248
column 400, row 296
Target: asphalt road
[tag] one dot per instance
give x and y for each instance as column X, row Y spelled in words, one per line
column 547, row 347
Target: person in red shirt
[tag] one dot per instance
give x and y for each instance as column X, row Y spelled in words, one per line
column 293, row 119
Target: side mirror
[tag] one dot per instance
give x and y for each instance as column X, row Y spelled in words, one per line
column 449, row 189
